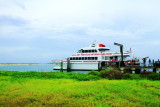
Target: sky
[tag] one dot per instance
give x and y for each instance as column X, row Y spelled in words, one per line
column 39, row 31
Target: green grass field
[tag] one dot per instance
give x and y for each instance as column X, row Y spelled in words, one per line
column 35, row 89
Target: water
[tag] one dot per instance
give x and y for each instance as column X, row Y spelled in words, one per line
column 33, row 67
column 38, row 68
column 27, row 67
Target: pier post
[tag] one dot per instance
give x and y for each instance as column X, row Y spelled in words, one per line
column 68, row 65
column 154, row 69
column 158, row 70
column 61, row 63
column 153, row 64
column 99, row 66
column 122, row 69
column 145, row 69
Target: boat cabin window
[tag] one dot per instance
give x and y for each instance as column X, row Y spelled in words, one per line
column 83, row 58
column 94, row 51
column 96, row 58
column 103, row 50
column 79, row 51
column 80, row 58
column 87, row 51
column 111, row 58
column 106, row 58
column 89, row 58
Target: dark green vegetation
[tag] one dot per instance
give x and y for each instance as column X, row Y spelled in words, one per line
column 50, row 75
column 110, row 74
column 113, row 73
column 57, row 89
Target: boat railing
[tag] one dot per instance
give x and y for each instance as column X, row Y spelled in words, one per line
column 56, row 61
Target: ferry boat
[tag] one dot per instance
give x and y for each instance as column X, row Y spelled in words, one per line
column 90, row 58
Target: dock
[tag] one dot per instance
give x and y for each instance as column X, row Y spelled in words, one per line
column 134, row 68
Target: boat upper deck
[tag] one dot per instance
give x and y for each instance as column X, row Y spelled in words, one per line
column 97, row 50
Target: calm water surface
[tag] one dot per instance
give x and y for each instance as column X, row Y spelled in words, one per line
column 38, row 68
column 33, row 67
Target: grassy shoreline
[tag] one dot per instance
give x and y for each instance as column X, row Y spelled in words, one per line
column 57, row 89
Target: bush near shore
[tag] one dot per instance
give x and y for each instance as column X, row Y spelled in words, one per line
column 110, row 73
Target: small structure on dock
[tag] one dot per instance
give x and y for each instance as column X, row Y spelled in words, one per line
column 134, row 66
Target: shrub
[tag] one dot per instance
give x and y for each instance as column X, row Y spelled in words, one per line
column 83, row 77
column 145, row 74
column 126, row 76
column 153, row 76
column 131, row 76
column 95, row 73
column 135, row 76
column 111, row 73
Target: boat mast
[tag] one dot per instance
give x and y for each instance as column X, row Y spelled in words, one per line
column 121, row 50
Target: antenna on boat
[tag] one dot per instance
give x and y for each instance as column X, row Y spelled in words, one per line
column 93, row 44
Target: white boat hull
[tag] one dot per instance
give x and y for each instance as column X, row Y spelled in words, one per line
column 78, row 66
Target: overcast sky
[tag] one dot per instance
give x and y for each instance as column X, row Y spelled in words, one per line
column 45, row 30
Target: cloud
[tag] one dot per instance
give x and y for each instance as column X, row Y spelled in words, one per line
column 13, row 49
column 8, row 20
column 51, row 25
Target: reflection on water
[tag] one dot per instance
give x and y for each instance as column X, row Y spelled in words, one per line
column 34, row 67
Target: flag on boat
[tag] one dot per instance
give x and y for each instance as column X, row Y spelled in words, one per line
column 101, row 45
